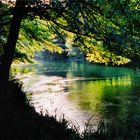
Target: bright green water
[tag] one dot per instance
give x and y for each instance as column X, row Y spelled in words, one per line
column 111, row 92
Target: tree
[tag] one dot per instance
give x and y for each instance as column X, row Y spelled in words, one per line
column 102, row 21
column 9, row 49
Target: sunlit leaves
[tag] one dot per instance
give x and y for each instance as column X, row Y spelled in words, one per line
column 34, row 37
column 107, row 58
column 52, row 47
column 95, row 51
column 108, row 31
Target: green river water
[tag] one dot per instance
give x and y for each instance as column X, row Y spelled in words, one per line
column 81, row 91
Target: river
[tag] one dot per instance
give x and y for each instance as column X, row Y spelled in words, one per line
column 82, row 93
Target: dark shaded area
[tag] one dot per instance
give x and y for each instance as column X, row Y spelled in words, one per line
column 19, row 121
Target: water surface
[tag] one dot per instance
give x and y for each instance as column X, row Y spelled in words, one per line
column 79, row 91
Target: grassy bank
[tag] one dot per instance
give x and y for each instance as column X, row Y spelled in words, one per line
column 19, row 121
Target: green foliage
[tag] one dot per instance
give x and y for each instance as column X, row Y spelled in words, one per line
column 96, row 52
column 34, row 36
column 4, row 22
column 106, row 31
column 107, row 58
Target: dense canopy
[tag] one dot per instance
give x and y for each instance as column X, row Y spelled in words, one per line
column 105, row 31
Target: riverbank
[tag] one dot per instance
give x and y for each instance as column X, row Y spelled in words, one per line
column 19, row 121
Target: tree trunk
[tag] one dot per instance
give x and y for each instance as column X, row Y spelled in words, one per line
column 9, row 49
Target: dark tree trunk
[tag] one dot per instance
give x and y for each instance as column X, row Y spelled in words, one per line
column 9, row 49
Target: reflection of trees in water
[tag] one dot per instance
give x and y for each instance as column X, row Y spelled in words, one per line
column 115, row 97
column 123, row 114
column 133, row 119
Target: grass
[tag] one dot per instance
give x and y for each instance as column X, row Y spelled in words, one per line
column 19, row 121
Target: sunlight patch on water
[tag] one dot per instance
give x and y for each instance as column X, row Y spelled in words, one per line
column 50, row 95
column 79, row 91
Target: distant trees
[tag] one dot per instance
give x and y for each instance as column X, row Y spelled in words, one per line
column 103, row 29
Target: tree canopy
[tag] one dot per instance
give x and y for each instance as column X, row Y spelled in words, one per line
column 106, row 31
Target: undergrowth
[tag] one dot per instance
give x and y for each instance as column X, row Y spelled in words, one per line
column 19, row 121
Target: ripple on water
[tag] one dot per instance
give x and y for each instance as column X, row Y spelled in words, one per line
column 50, row 95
